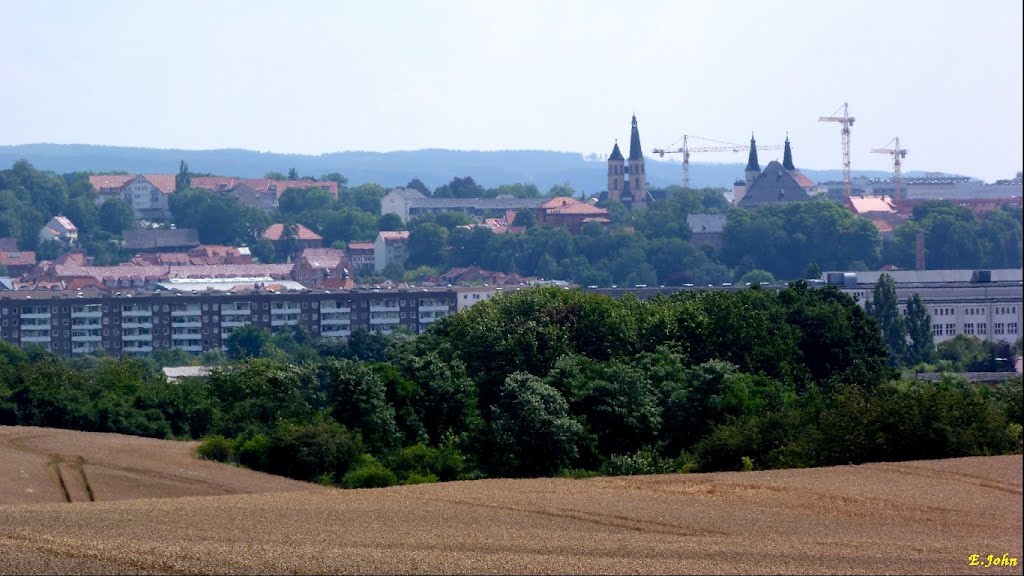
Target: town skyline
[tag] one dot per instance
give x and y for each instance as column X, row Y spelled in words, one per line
column 317, row 78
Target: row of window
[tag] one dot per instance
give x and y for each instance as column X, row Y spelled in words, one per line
column 208, row 306
column 981, row 329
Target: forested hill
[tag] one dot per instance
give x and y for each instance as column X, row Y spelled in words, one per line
column 433, row 167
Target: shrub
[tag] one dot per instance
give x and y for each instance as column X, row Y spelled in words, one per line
column 641, row 462
column 369, row 473
column 215, row 447
column 415, row 478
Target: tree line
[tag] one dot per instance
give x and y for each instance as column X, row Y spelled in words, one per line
column 541, row 382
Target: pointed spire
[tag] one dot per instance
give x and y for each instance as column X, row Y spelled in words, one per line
column 634, row 143
column 616, row 153
column 752, row 161
column 787, row 156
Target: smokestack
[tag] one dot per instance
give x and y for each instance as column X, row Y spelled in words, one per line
column 919, row 251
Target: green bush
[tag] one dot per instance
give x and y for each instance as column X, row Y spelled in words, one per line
column 641, row 462
column 416, row 478
column 215, row 447
column 369, row 473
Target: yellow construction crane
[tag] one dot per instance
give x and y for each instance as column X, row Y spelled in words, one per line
column 897, row 154
column 846, row 120
column 685, row 150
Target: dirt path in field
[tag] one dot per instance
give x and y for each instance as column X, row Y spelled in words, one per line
column 908, row 517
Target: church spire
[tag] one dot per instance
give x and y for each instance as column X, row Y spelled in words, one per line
column 634, row 143
column 752, row 161
column 787, row 157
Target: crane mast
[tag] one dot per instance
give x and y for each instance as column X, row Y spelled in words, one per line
column 846, row 120
column 897, row 154
column 685, row 150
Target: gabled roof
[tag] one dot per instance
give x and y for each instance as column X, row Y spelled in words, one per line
column 804, row 182
column 360, row 245
column 329, row 258
column 276, row 231
column 278, row 187
column 165, row 183
column 62, row 222
column 775, row 185
column 109, row 181
column 407, row 193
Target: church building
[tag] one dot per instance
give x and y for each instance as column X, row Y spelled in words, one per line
column 628, row 183
column 776, row 184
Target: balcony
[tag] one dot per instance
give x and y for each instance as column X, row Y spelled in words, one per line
column 434, row 308
column 136, row 313
column 189, row 347
column 45, row 315
column 284, row 321
column 234, row 323
column 187, row 324
column 138, row 349
column 35, row 339
column 383, row 321
column 334, row 333
column 384, row 308
column 86, row 338
column 136, row 325
column 137, row 337
column 87, row 314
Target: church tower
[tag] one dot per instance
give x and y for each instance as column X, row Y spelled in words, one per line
column 616, row 164
column 753, row 169
column 787, row 157
column 637, row 170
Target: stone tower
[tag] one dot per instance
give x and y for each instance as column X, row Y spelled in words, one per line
column 616, row 171
column 753, row 169
column 637, row 170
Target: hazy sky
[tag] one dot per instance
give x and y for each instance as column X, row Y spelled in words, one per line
column 305, row 76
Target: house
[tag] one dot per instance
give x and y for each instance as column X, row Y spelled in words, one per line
column 879, row 210
column 323, row 268
column 17, row 263
column 390, row 246
column 61, row 229
column 157, row 240
column 291, row 240
column 565, row 212
column 361, row 256
column 706, row 229
column 146, row 193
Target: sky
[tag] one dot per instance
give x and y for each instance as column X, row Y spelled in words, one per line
column 312, row 77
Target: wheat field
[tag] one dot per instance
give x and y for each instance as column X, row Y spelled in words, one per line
column 76, row 503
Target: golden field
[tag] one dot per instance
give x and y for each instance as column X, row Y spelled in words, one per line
column 148, row 506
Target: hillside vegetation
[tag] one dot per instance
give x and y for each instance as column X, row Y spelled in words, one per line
column 543, row 382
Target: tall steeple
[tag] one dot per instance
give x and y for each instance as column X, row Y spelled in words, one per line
column 634, row 143
column 753, row 169
column 787, row 157
column 616, row 169
column 637, row 170
column 752, row 160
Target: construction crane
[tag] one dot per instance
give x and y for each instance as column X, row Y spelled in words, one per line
column 685, row 150
column 897, row 154
column 846, row 120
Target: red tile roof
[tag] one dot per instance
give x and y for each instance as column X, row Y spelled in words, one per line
column 165, row 183
column 323, row 257
column 393, row 235
column 566, row 205
column 221, row 183
column 17, row 258
column 276, row 231
column 360, row 245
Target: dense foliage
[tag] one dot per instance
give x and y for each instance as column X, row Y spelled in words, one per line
column 541, row 382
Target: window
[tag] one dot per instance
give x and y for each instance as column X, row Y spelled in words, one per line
column 982, row 328
column 999, row 328
column 950, row 329
column 969, row 328
column 1011, row 328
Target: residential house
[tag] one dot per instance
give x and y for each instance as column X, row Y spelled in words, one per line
column 361, row 256
column 158, row 240
column 390, row 246
column 323, row 268
column 260, row 193
column 61, row 229
column 302, row 238
column 879, row 210
column 570, row 213
column 146, row 193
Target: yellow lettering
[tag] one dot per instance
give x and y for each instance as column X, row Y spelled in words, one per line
column 989, row 561
column 973, row 558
